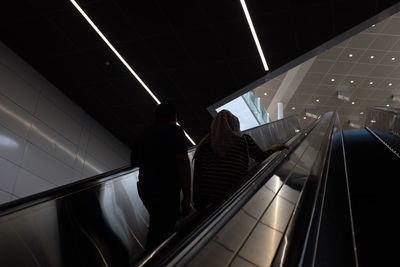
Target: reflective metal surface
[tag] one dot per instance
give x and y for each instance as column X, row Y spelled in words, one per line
column 275, row 132
column 254, row 233
column 384, row 119
column 104, row 225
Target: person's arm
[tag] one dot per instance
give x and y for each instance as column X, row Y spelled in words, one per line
column 184, row 173
column 257, row 153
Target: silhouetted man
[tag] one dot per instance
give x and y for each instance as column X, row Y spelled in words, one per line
column 160, row 153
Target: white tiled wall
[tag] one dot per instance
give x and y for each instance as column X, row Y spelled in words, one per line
column 45, row 139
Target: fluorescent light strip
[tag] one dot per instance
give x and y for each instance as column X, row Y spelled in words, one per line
column 114, row 50
column 120, row 57
column 187, row 136
column 253, row 31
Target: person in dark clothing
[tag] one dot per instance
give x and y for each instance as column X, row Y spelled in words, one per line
column 160, row 153
column 221, row 160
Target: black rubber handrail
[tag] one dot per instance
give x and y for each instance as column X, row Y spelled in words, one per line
column 57, row 192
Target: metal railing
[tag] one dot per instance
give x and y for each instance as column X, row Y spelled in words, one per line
column 384, row 119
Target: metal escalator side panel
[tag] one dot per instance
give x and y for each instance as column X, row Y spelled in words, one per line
column 102, row 225
column 259, row 223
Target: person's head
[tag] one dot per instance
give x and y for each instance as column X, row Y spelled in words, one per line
column 224, row 132
column 225, row 120
column 165, row 112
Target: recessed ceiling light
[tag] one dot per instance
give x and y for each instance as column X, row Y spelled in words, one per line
column 123, row 61
column 353, row 103
column 317, row 100
column 371, row 82
column 305, row 118
column 265, row 93
column 332, row 80
column 387, row 105
column 293, row 108
column 350, row 55
column 371, row 57
column 361, row 113
column 373, row 25
column 351, row 81
column 390, row 84
column 253, row 32
column 393, row 58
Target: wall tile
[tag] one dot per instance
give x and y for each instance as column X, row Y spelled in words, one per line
column 76, row 176
column 17, row 90
column 98, row 149
column 47, row 140
column 43, row 165
column 14, row 117
column 4, row 197
column 11, row 146
column 64, row 103
column 52, row 142
column 58, row 120
column 79, row 160
column 22, row 69
column 9, row 173
column 29, row 184
column 240, row 262
column 84, row 138
column 92, row 167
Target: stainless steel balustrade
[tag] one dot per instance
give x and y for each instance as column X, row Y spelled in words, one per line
column 97, row 221
column 252, row 226
column 383, row 119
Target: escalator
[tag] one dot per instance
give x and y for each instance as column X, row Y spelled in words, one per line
column 357, row 223
column 99, row 221
column 327, row 201
column 374, row 172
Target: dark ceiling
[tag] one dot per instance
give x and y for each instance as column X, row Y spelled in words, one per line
column 191, row 52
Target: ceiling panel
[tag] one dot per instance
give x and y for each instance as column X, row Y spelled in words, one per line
column 384, row 42
column 350, row 54
column 380, row 95
column 313, row 78
column 362, row 41
column 392, row 26
column 306, row 88
column 341, row 68
column 382, row 71
column 371, row 57
column 361, row 69
column 321, row 66
column 331, row 54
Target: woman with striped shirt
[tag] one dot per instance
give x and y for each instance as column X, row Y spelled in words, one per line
column 221, row 160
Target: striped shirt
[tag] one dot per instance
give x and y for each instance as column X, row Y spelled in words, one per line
column 215, row 177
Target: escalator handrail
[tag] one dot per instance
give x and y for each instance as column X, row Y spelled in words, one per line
column 353, row 232
column 383, row 142
column 163, row 257
column 282, row 258
column 57, row 192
